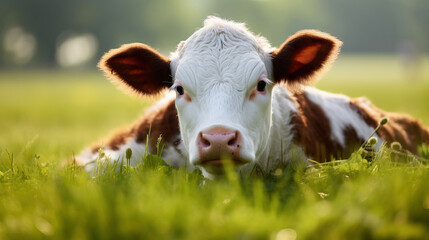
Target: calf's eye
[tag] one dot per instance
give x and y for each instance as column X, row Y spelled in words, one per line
column 180, row 90
column 261, row 86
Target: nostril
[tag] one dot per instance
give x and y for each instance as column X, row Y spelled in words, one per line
column 234, row 140
column 203, row 141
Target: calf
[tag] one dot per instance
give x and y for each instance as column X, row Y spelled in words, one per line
column 236, row 97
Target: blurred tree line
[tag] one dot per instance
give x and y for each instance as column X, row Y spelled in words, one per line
column 32, row 32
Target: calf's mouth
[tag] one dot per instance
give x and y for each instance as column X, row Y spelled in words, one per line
column 220, row 162
column 218, row 165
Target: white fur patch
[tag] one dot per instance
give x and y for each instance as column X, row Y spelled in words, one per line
column 174, row 156
column 207, row 38
column 90, row 160
column 280, row 148
column 341, row 115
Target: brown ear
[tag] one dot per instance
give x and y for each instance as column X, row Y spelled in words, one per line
column 137, row 67
column 303, row 55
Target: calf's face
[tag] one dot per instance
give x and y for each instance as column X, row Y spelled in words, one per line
column 223, row 77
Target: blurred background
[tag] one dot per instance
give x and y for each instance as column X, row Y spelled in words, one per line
column 54, row 101
column 70, row 34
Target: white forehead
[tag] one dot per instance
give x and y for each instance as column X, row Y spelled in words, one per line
column 220, row 48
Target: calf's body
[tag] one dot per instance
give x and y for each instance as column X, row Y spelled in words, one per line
column 233, row 100
column 309, row 123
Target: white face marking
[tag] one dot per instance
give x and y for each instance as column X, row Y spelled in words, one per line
column 216, row 74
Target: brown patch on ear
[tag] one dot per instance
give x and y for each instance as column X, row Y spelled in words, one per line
column 137, row 67
column 304, row 55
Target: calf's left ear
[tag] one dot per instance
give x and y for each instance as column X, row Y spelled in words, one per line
column 304, row 55
column 137, row 67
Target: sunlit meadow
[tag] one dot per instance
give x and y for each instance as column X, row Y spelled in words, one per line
column 48, row 117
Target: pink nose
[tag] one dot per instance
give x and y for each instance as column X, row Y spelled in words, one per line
column 219, row 142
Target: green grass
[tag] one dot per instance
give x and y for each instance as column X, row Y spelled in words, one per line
column 46, row 117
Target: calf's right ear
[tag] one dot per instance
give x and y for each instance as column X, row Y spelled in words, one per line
column 137, row 67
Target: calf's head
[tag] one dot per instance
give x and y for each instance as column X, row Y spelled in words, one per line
column 223, row 76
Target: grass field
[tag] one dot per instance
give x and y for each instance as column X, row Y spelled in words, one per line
column 46, row 117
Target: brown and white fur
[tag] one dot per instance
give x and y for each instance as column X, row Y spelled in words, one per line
column 234, row 99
